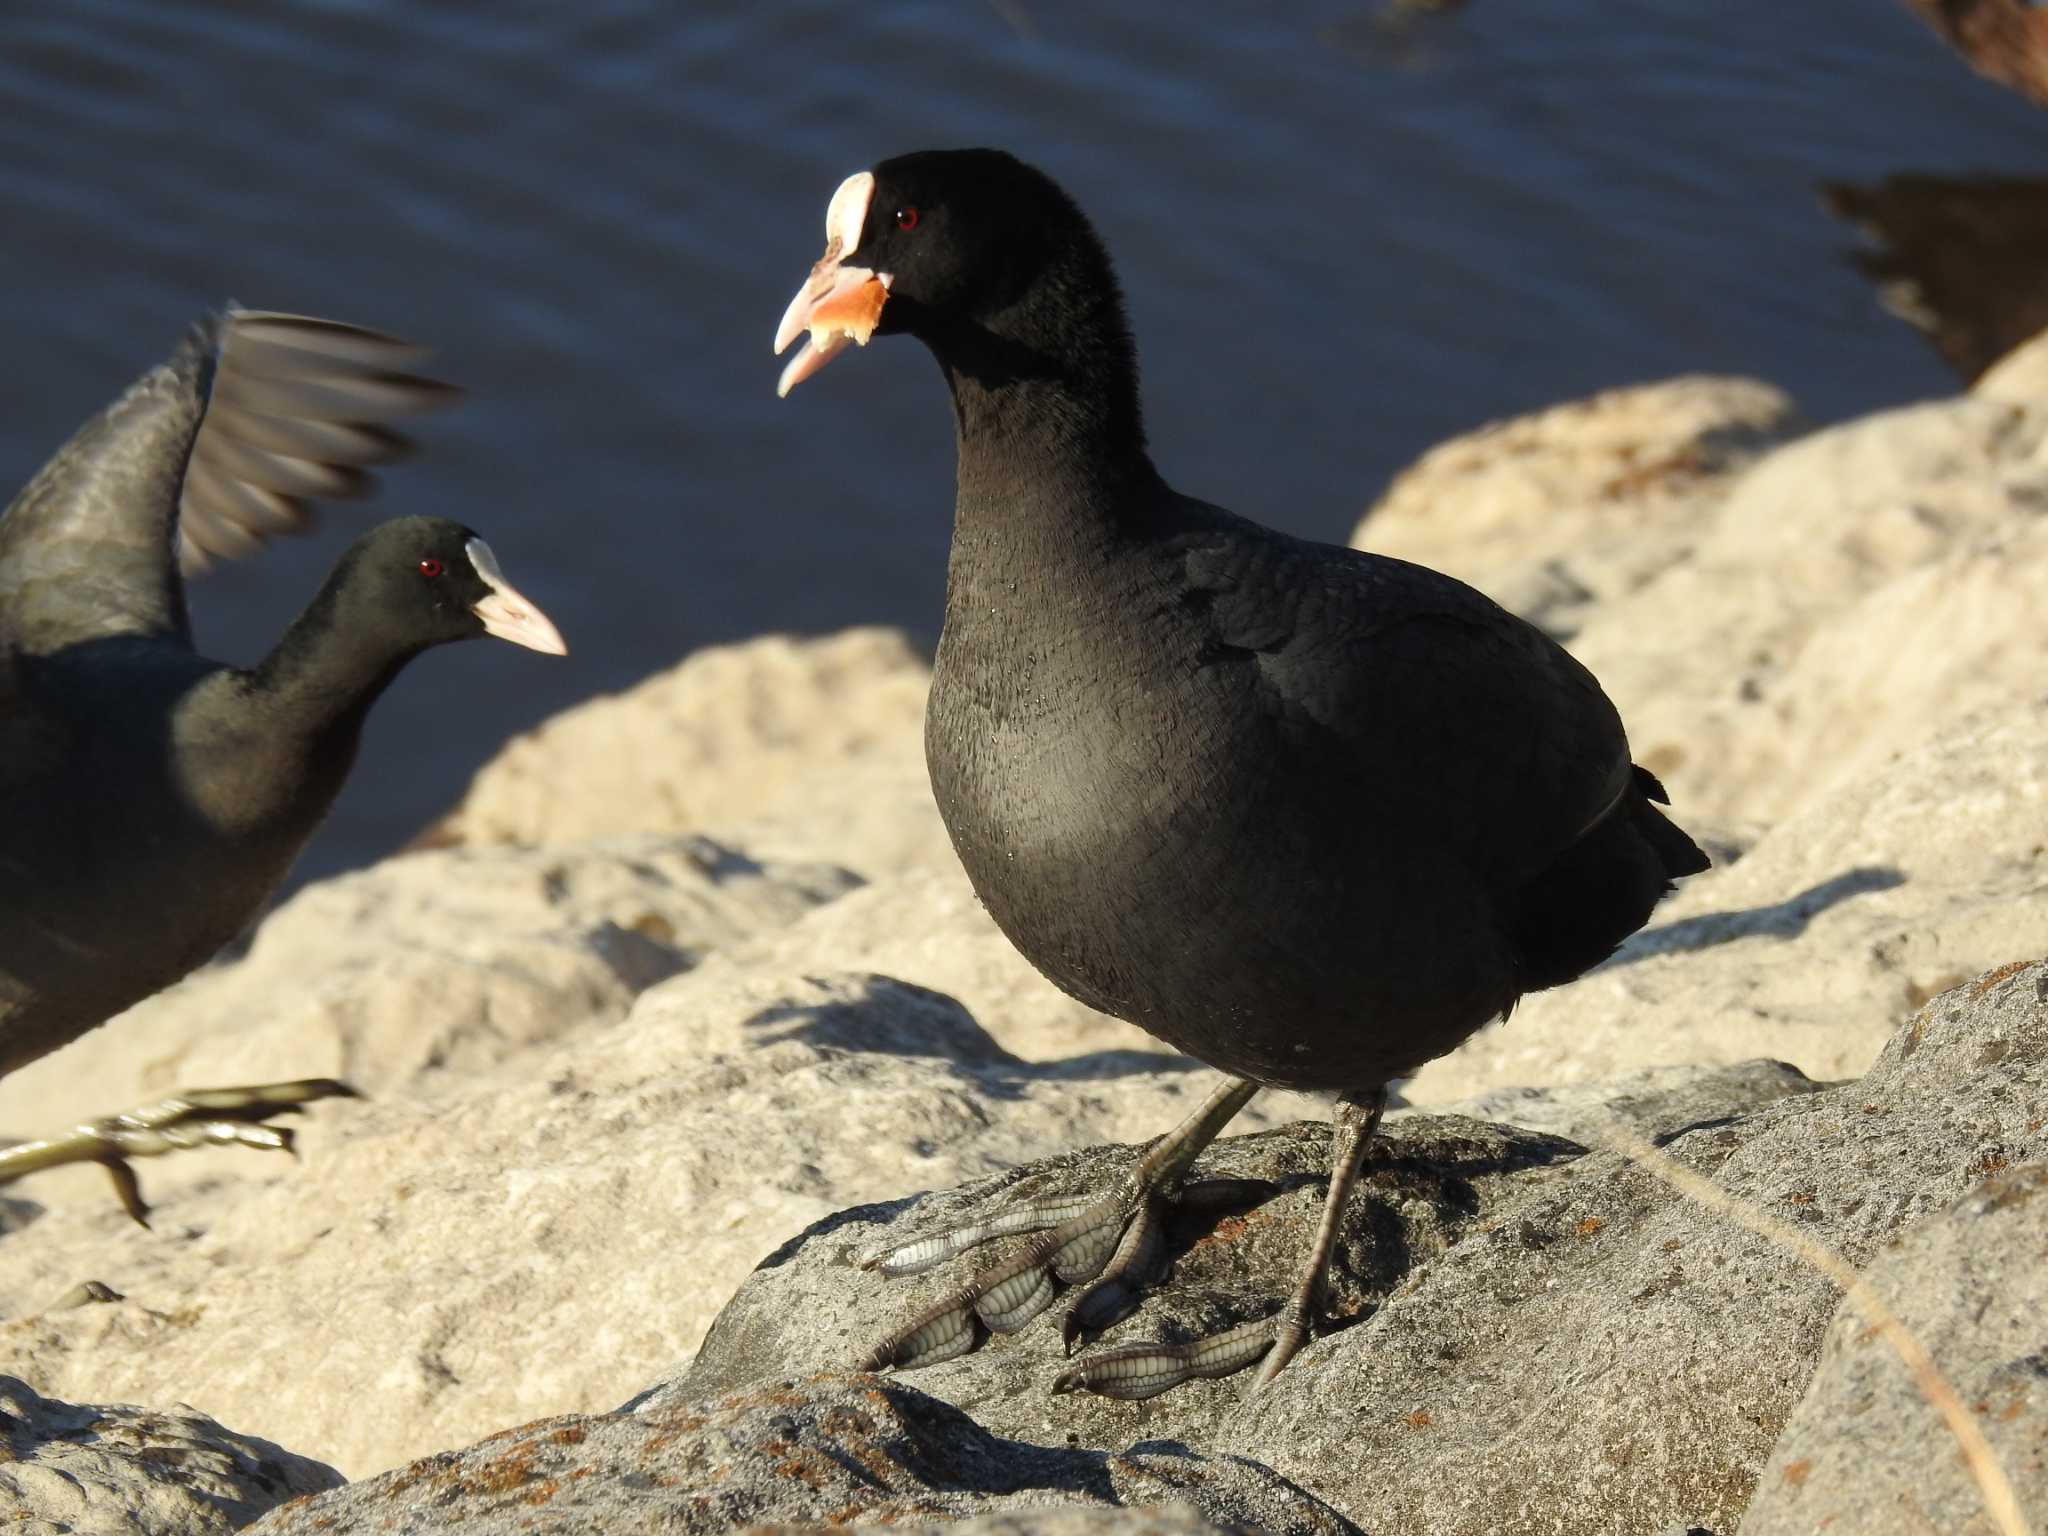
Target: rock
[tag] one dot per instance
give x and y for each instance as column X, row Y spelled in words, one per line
column 2019, row 378
column 547, row 1235
column 1864, row 1451
column 829, row 1450
column 1658, row 1101
column 1661, row 1348
column 1958, row 258
column 1558, row 511
column 1434, row 1180
column 2004, row 40
column 1760, row 617
column 1489, row 1280
column 426, row 967
column 795, row 748
column 1839, row 923
column 927, row 928
column 806, row 1309
column 1075, row 1520
column 124, row 1471
column 1789, row 651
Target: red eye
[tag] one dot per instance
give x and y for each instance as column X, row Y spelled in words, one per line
column 431, row 567
column 906, row 217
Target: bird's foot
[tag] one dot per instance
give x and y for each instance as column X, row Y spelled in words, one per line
column 1113, row 1241
column 1136, row 1371
column 198, row 1117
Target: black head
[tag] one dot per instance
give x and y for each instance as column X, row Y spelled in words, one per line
column 417, row 582
column 954, row 245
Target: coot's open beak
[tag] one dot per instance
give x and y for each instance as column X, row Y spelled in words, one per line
column 840, row 303
column 508, row 615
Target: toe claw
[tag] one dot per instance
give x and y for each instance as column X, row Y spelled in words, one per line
column 1105, row 1303
column 85, row 1294
column 1290, row 1332
column 128, row 1190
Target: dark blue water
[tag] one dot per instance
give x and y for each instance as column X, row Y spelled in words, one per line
column 1342, row 242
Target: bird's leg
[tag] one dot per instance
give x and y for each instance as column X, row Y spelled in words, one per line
column 1145, row 1370
column 1112, row 1240
column 198, row 1117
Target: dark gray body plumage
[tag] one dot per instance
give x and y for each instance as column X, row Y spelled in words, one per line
column 1309, row 814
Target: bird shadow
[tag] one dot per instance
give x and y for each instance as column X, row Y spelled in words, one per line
column 900, row 1018
column 1781, row 920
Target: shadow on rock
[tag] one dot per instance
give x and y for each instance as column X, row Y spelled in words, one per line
column 1781, row 920
column 898, row 1018
column 837, row 1448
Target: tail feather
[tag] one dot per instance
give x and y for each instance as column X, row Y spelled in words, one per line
column 1600, row 890
column 1678, row 853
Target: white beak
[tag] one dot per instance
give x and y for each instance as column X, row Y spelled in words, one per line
column 508, row 615
column 838, row 303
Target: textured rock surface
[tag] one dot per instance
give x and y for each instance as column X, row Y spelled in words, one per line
column 926, row 927
column 428, row 965
column 1555, row 512
column 1864, row 1450
column 1661, row 1348
column 1431, row 1182
column 830, row 1449
column 1492, row 1280
column 1786, row 652
column 547, row 1236
column 67, row 1470
column 811, row 749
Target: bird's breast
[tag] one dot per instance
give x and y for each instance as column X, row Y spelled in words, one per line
column 1159, row 841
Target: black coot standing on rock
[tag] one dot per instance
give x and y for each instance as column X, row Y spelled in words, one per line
column 153, row 800
column 1311, row 815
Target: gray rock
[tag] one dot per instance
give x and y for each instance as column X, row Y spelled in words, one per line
column 1160, row 1520
column 1658, row 1102
column 67, row 1470
column 1790, row 650
column 1530, row 1337
column 1558, row 511
column 430, row 965
column 1611, row 1357
column 550, row 1235
column 1429, row 1183
column 803, row 747
column 1864, row 1451
column 827, row 1449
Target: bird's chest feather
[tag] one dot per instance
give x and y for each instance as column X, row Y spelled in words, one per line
column 157, row 843
column 1068, row 739
column 1095, row 773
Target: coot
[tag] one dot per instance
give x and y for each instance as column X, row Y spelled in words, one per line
column 1308, row 814
column 155, row 799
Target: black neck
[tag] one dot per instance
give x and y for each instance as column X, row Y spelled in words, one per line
column 323, row 675
column 1045, row 403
